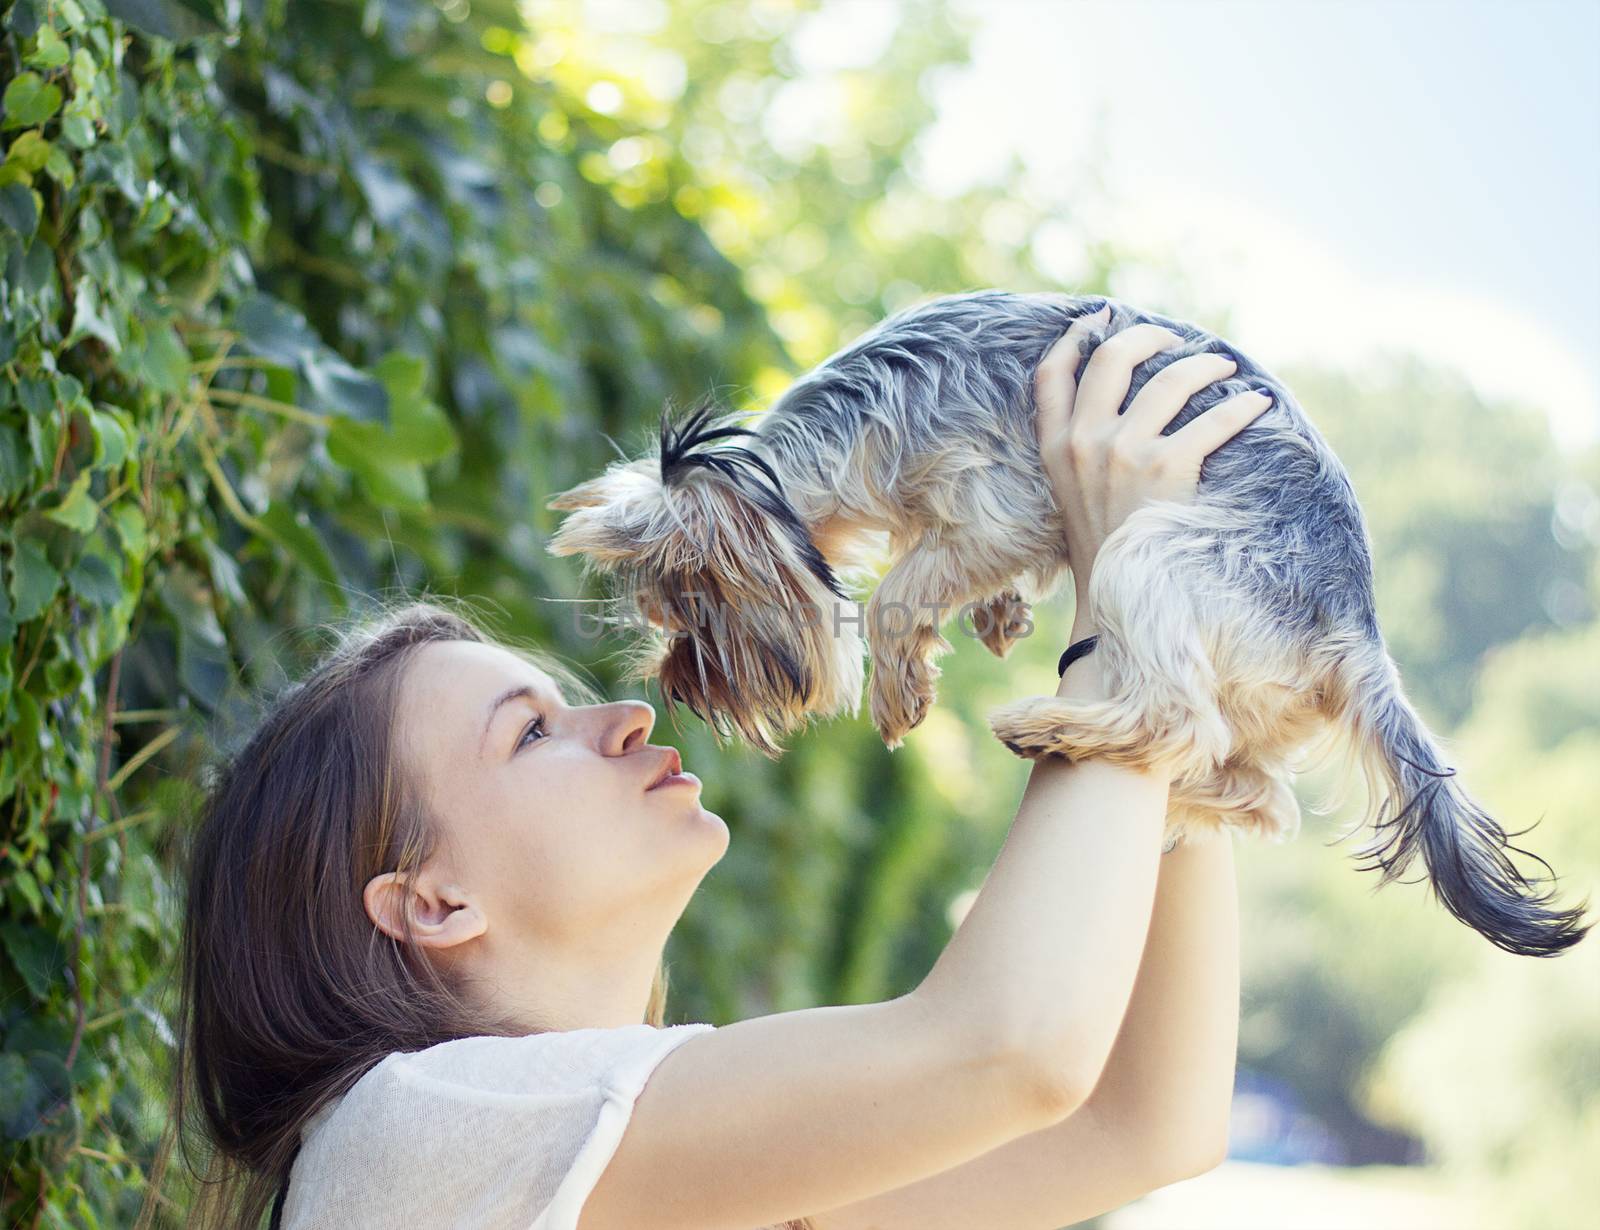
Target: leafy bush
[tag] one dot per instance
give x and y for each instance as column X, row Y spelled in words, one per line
column 294, row 311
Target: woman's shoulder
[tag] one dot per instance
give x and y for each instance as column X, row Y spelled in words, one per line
column 543, row 1064
column 490, row 1070
column 504, row 1124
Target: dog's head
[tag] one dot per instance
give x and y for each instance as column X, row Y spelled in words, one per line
column 742, row 608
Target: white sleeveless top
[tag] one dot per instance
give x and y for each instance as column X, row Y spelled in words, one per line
column 487, row 1133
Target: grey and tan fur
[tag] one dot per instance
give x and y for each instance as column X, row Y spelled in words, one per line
column 1237, row 631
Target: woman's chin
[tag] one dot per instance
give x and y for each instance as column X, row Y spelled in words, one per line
column 715, row 826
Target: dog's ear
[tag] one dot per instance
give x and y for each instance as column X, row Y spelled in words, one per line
column 584, row 495
column 611, row 514
column 595, row 533
column 619, row 480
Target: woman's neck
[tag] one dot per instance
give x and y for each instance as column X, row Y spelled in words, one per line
column 561, row 990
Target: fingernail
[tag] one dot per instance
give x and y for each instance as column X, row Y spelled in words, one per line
column 1272, row 399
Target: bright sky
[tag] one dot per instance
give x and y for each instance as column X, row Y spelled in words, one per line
column 1346, row 175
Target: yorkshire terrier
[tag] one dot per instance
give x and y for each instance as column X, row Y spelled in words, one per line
column 1235, row 631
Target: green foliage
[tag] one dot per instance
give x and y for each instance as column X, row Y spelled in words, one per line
column 122, row 185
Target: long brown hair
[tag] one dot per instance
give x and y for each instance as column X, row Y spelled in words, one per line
column 289, row 993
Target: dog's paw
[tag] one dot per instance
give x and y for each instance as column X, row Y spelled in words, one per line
column 1073, row 729
column 1033, row 728
column 1002, row 620
column 903, row 689
column 897, row 710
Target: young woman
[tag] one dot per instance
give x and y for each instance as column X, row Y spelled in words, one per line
column 428, row 901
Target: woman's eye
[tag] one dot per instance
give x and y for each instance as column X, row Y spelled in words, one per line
column 536, row 724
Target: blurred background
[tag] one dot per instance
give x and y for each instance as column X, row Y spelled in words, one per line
column 525, row 227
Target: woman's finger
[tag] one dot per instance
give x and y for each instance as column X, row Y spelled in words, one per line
column 1169, row 390
column 1206, row 432
column 1055, row 381
column 1109, row 372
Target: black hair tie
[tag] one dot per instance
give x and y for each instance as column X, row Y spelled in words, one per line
column 1075, row 651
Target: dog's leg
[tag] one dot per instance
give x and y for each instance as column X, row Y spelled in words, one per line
column 1239, row 794
column 1162, row 710
column 926, row 585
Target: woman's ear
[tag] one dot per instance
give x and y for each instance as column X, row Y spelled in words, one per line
column 442, row 915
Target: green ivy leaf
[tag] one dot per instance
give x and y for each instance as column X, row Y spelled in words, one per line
column 157, row 359
column 84, row 71
column 183, row 592
column 293, row 530
column 77, row 127
column 59, row 167
column 388, row 460
column 204, row 666
column 49, row 50
column 418, row 431
column 389, row 481
column 38, row 277
column 166, row 360
column 88, row 320
column 14, row 467
column 29, row 152
column 162, row 19
column 110, row 440
column 203, row 670
column 131, row 529
column 19, row 210
column 224, row 574
column 37, row 954
column 29, row 101
column 420, row 425
column 77, row 510
column 282, row 383
column 274, row 330
column 95, row 581
column 33, row 581
column 337, row 388
column 27, row 887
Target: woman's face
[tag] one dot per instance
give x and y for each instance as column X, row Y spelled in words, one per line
column 549, row 823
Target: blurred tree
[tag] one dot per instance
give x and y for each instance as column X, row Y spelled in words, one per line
column 1500, row 1070
column 1461, row 497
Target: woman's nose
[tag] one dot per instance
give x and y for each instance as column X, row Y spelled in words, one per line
column 628, row 727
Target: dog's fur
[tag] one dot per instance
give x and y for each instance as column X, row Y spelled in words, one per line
column 1236, row 631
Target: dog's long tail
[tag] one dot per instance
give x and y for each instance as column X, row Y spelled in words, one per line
column 1464, row 849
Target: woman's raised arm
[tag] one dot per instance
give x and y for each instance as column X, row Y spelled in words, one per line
column 799, row 1112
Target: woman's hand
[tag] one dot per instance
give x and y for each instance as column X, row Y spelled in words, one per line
column 1104, row 465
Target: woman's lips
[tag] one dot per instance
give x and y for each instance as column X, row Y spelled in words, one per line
column 676, row 779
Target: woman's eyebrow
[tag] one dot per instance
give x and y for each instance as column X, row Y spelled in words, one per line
column 521, row 691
